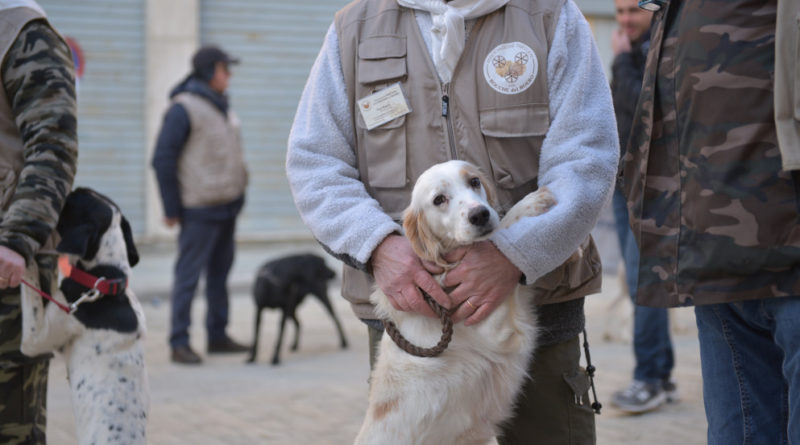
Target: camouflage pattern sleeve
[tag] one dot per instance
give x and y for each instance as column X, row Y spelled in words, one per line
column 38, row 77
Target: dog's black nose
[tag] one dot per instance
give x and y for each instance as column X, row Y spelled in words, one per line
column 479, row 216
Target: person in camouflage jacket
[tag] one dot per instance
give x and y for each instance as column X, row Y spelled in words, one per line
column 39, row 88
column 716, row 218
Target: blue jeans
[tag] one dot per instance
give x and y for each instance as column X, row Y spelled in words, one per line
column 204, row 246
column 750, row 356
column 652, row 346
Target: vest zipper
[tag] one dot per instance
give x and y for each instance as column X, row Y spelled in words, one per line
column 446, row 115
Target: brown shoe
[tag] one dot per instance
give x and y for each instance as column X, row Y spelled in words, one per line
column 185, row 355
column 225, row 346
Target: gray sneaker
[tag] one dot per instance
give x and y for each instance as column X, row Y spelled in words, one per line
column 639, row 397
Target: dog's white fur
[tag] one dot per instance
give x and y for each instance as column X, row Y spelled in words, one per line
column 461, row 396
column 105, row 368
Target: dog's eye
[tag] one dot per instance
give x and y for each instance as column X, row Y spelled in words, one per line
column 439, row 200
column 475, row 182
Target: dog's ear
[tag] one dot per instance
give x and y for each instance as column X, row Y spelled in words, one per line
column 422, row 240
column 80, row 240
column 82, row 222
column 127, row 233
column 488, row 186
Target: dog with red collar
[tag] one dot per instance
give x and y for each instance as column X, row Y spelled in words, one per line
column 94, row 321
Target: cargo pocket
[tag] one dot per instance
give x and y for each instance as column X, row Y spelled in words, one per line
column 381, row 63
column 578, row 273
column 581, row 415
column 513, row 137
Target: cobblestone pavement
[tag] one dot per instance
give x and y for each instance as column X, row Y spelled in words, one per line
column 318, row 394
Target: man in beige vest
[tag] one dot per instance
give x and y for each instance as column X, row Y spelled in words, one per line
column 515, row 87
column 38, row 157
column 199, row 164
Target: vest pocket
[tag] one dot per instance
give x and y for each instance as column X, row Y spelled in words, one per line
column 381, row 59
column 382, row 62
column 513, row 137
column 385, row 152
column 574, row 274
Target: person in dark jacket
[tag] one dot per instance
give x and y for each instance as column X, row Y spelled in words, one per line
column 652, row 385
column 714, row 198
column 201, row 174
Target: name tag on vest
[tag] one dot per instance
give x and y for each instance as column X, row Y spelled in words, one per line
column 383, row 106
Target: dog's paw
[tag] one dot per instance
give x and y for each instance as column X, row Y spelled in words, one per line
column 251, row 359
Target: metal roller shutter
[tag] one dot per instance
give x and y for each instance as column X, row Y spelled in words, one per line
column 110, row 97
column 277, row 42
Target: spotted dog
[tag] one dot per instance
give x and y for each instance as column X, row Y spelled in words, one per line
column 102, row 339
column 461, row 396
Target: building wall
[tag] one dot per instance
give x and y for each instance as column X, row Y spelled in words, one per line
column 135, row 51
column 277, row 42
column 110, row 96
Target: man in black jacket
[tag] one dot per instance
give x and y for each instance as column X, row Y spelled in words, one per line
column 651, row 386
column 201, row 174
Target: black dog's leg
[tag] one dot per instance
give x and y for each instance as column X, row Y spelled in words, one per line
column 296, row 343
column 276, row 356
column 256, row 329
column 326, row 302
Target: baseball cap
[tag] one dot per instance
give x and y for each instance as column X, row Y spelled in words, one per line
column 209, row 55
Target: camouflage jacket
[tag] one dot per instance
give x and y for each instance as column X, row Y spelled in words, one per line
column 714, row 216
column 38, row 79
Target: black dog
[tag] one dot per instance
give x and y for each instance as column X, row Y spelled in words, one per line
column 283, row 284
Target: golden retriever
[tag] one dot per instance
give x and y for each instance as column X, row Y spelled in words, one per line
column 461, row 396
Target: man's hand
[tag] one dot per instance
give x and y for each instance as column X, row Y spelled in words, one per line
column 400, row 274
column 172, row 221
column 620, row 43
column 12, row 267
column 484, row 278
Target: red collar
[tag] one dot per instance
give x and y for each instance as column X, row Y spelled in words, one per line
column 104, row 286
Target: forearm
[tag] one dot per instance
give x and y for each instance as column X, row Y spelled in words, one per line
column 321, row 167
column 171, row 139
column 39, row 82
column 578, row 156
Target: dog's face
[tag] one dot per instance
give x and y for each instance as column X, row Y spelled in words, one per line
column 452, row 205
column 93, row 229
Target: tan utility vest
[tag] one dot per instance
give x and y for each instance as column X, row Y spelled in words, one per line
column 498, row 126
column 211, row 168
column 12, row 20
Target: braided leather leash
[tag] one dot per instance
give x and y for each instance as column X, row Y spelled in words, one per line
column 447, row 332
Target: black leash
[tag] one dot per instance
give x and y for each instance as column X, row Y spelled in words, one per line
column 590, row 369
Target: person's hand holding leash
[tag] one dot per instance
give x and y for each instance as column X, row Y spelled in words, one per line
column 12, row 267
column 483, row 278
column 400, row 274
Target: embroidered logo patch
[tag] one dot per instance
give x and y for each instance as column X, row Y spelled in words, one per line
column 511, row 68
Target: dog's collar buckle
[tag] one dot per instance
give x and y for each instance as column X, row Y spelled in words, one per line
column 112, row 287
column 86, row 297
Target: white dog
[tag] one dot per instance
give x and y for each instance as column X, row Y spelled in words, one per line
column 102, row 340
column 462, row 395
